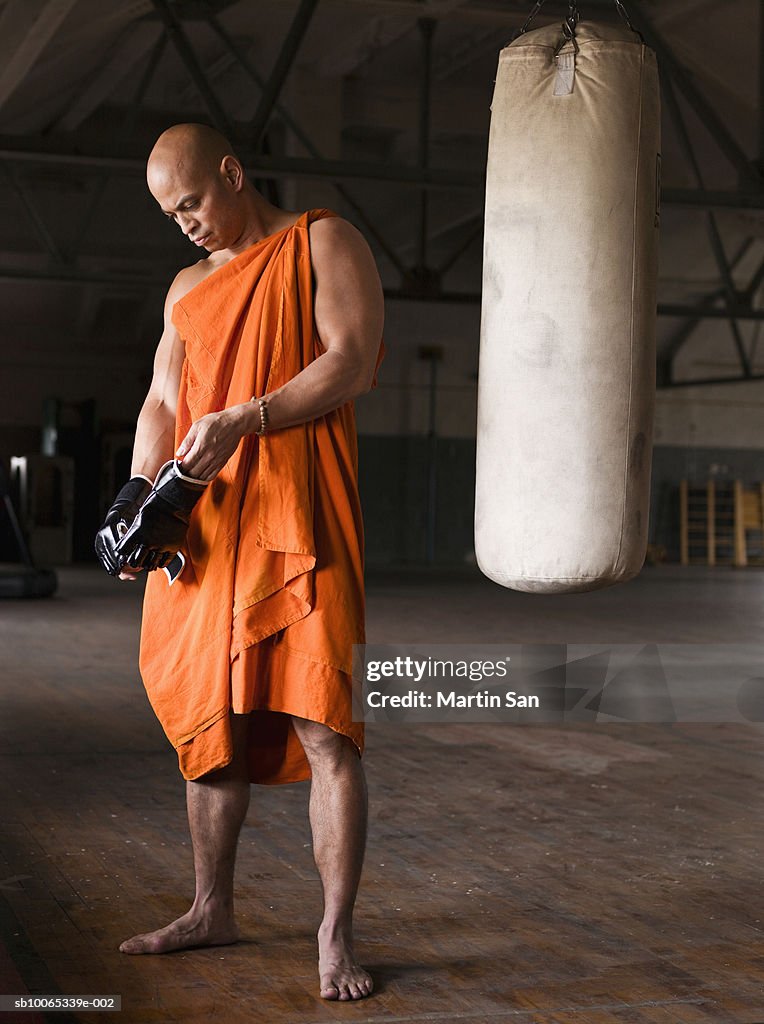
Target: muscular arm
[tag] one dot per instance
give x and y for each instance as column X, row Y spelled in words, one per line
column 155, row 429
column 348, row 315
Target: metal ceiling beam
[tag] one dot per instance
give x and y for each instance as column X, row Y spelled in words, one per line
column 663, row 309
column 714, row 199
column 159, row 277
column 447, row 263
column 46, row 238
column 304, row 139
column 378, row 31
column 84, row 34
column 468, row 49
column 705, row 381
column 78, row 276
column 281, row 69
column 38, row 150
column 134, row 108
column 213, row 71
column 466, row 220
column 127, row 126
column 346, row 170
column 509, row 13
column 177, row 34
column 713, row 122
column 131, row 49
column 712, row 313
column 755, row 283
column 349, row 54
column 26, row 27
column 717, row 246
column 670, row 349
column 261, row 165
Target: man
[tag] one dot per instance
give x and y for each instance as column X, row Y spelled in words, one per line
column 246, row 656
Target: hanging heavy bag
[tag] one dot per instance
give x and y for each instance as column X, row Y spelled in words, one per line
column 566, row 379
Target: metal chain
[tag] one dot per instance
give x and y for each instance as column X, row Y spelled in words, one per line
column 539, row 4
column 622, row 11
column 574, row 16
column 569, row 25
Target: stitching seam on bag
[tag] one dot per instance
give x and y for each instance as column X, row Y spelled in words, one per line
column 631, row 323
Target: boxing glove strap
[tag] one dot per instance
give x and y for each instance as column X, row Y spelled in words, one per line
column 179, row 491
column 135, row 490
column 189, row 479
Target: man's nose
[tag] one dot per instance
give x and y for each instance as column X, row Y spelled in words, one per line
column 187, row 224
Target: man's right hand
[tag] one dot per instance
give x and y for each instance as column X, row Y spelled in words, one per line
column 118, row 520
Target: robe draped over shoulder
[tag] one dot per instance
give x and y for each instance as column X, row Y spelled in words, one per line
column 271, row 599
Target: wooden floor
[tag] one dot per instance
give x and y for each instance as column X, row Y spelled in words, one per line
column 588, row 874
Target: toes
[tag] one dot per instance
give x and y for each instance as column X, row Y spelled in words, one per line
column 347, row 990
column 362, row 988
column 139, row 944
column 130, row 946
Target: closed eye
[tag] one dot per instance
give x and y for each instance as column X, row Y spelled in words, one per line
column 183, row 209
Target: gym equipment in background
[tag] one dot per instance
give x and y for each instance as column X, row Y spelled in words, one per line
column 566, row 378
column 23, row 579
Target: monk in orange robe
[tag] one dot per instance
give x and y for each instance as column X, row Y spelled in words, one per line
column 247, row 656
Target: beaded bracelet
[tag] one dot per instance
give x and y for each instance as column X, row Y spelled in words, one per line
column 263, row 409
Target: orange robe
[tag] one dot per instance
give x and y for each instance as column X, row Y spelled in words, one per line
column 271, row 599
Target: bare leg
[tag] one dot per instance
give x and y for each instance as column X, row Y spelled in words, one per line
column 338, row 816
column 217, row 804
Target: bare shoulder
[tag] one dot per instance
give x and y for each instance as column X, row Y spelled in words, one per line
column 185, row 280
column 335, row 236
column 188, row 278
column 339, row 251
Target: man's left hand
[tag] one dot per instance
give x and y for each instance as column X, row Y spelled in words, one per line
column 211, row 441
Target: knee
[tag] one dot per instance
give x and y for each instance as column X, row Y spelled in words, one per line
column 323, row 747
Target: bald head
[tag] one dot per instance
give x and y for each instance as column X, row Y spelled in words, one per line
column 190, row 151
column 197, row 179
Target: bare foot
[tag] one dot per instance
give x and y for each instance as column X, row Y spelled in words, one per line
column 193, row 929
column 341, row 977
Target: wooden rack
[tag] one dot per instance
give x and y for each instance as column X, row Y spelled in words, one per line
column 721, row 523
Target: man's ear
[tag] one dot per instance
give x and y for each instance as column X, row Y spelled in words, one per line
column 233, row 172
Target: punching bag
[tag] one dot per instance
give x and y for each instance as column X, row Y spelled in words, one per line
column 566, row 375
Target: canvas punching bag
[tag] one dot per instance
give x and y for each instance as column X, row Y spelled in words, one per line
column 566, row 377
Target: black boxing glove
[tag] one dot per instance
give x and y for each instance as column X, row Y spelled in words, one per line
column 118, row 519
column 159, row 529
